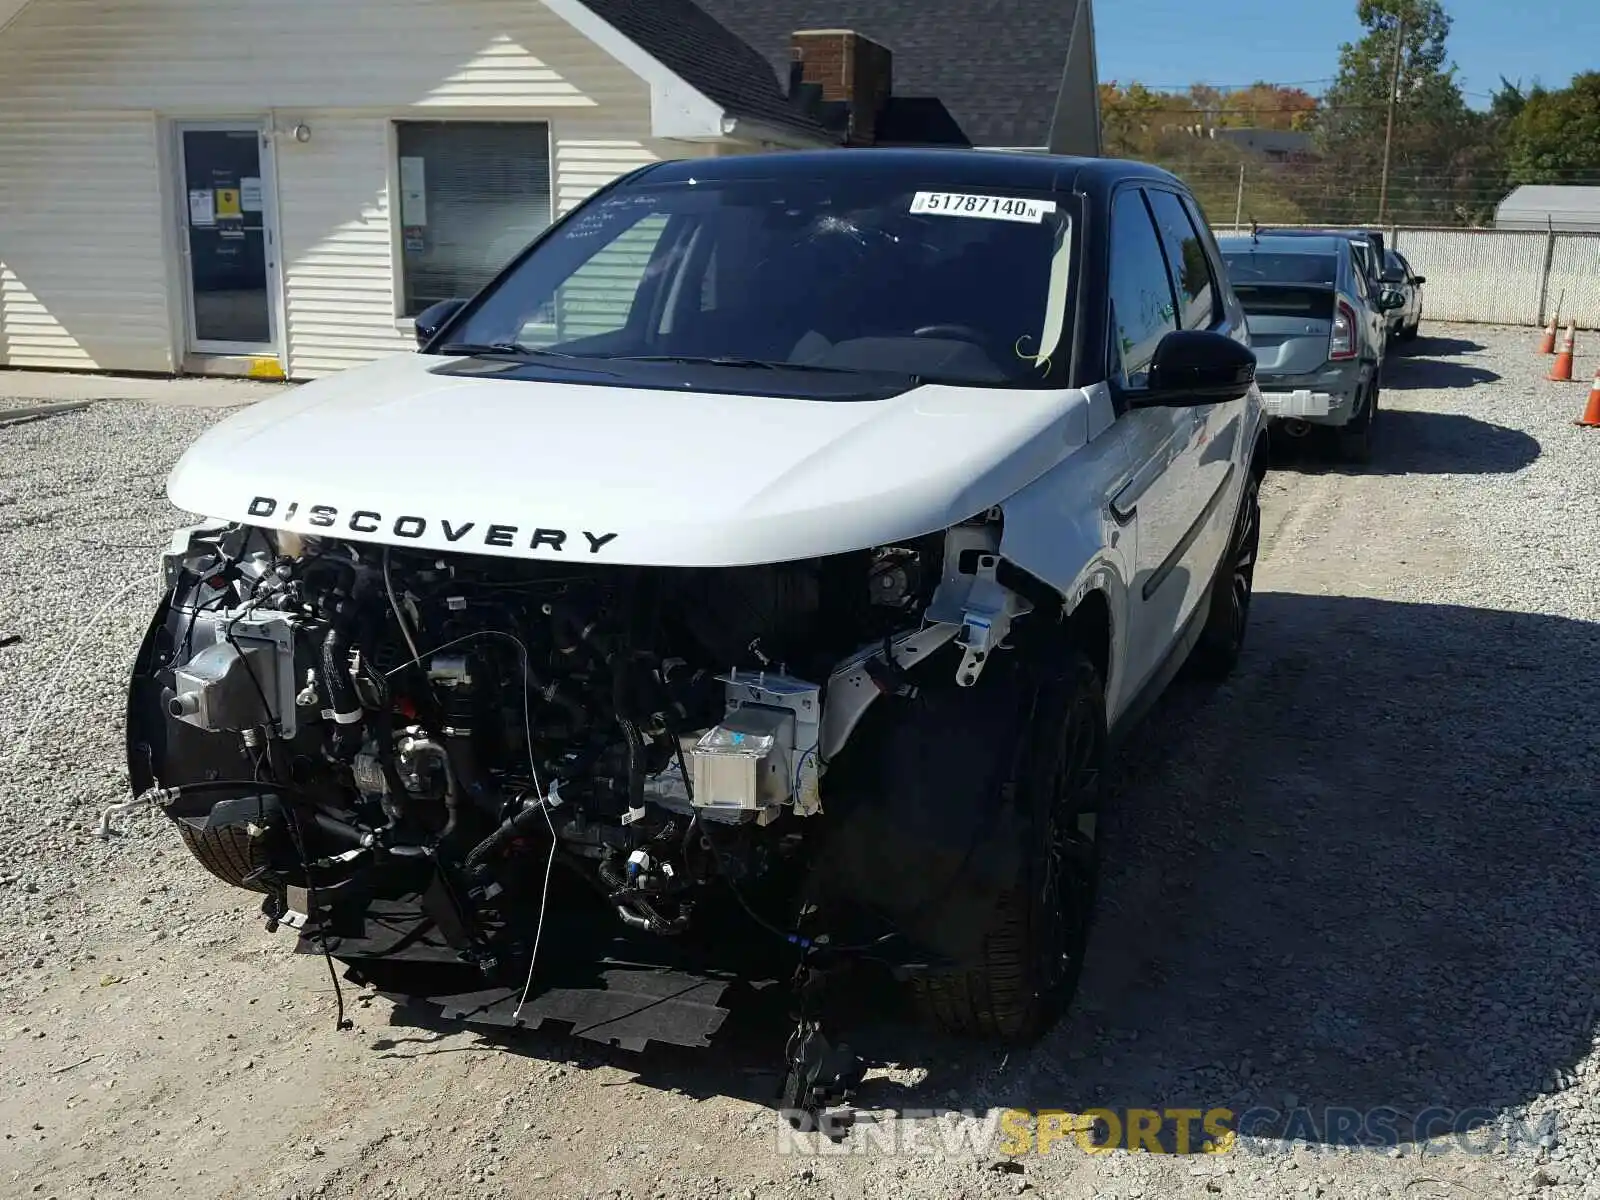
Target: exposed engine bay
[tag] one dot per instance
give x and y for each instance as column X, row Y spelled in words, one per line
column 335, row 723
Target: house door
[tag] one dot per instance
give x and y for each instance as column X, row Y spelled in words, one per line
column 230, row 240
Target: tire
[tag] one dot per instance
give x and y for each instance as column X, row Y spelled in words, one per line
column 1035, row 934
column 1354, row 441
column 227, row 852
column 1222, row 640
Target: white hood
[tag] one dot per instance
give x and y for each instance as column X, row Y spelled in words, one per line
column 392, row 453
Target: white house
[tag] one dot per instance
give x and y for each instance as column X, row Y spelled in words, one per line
column 275, row 187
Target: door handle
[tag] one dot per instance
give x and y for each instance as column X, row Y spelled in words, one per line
column 1120, row 514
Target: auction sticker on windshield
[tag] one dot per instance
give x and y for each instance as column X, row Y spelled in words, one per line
column 992, row 208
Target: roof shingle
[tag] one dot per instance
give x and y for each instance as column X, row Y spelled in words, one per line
column 708, row 56
column 996, row 65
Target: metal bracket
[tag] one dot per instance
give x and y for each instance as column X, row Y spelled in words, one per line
column 181, row 547
column 852, row 688
column 986, row 620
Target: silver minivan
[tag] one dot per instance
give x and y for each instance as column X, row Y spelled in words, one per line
column 1318, row 331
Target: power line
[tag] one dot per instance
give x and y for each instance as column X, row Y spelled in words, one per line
column 1227, row 87
column 1315, row 109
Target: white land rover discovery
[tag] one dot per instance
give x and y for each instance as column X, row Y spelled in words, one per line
column 765, row 560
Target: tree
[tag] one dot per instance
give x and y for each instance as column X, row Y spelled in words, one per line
column 1432, row 122
column 1162, row 127
column 1262, row 105
column 1479, row 173
column 1509, row 100
column 1132, row 118
column 1554, row 137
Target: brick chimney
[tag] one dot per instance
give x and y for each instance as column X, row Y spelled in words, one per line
column 848, row 70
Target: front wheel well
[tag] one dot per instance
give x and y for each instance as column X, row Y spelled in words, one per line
column 1089, row 629
column 1260, row 456
column 1050, row 629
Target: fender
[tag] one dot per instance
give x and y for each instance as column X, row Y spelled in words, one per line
column 1061, row 528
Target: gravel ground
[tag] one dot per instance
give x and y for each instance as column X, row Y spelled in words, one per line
column 1359, row 876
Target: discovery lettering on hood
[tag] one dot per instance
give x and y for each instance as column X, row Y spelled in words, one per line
column 364, row 520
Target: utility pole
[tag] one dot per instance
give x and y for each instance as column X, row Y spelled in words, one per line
column 1394, row 99
column 1238, row 211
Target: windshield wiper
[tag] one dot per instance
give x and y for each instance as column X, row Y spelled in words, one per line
column 516, row 348
column 729, row 360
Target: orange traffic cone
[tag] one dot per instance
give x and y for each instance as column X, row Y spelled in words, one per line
column 1562, row 371
column 1591, row 411
column 1547, row 345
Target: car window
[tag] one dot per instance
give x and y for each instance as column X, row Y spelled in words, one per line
column 1359, row 271
column 599, row 297
column 1208, row 242
column 1191, row 272
column 1249, row 265
column 1142, row 307
column 1371, row 263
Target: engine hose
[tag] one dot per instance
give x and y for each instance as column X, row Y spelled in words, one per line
column 570, row 632
column 635, row 910
column 461, row 761
column 344, row 831
column 611, row 876
column 551, row 693
column 397, row 789
column 620, row 704
column 344, row 705
column 639, row 913
column 452, row 816
column 341, row 831
column 511, row 827
column 635, row 764
column 632, row 919
column 336, row 828
column 383, row 736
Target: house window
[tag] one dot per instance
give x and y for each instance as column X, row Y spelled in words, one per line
column 472, row 195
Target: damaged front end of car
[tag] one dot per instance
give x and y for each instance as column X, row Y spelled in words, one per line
column 401, row 748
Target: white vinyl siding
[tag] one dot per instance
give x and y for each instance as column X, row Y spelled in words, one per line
column 586, row 164
column 88, row 91
column 83, row 271
column 219, row 55
column 338, row 245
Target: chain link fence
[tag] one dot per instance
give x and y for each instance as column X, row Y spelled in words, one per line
column 1499, row 276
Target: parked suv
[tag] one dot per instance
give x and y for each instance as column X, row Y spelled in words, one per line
column 788, row 596
column 1317, row 334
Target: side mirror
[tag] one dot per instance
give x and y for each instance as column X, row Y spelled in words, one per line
column 432, row 319
column 1419, row 280
column 1192, row 367
column 1390, row 301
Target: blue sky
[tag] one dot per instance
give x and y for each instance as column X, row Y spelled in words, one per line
column 1178, row 42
